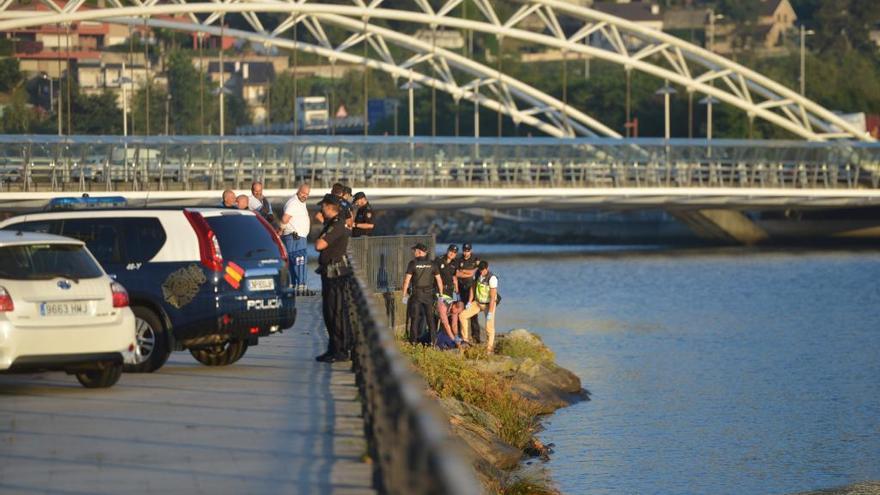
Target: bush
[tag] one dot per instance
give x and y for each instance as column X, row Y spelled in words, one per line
column 452, row 374
column 522, row 344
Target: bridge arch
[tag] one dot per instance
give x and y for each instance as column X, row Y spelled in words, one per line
column 685, row 64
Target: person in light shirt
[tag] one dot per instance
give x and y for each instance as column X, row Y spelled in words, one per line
column 294, row 231
column 258, row 203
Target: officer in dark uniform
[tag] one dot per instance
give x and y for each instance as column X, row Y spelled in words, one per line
column 336, row 275
column 420, row 310
column 467, row 272
column 339, row 190
column 363, row 219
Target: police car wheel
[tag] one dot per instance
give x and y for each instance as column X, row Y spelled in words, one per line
column 221, row 355
column 152, row 349
column 101, row 378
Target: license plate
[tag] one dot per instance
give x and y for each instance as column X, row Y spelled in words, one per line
column 72, row 308
column 261, row 284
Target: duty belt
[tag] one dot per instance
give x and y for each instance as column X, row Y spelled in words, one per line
column 336, row 269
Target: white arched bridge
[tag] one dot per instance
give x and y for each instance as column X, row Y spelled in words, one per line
column 361, row 32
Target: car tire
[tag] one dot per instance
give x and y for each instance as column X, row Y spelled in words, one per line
column 221, row 355
column 100, row 378
column 152, row 342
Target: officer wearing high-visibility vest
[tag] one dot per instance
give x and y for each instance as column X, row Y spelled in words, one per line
column 483, row 297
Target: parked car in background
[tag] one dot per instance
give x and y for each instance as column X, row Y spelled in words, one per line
column 59, row 311
column 207, row 280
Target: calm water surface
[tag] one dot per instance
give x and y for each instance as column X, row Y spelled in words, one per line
column 742, row 374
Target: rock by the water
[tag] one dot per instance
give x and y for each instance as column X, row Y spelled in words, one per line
column 865, row 488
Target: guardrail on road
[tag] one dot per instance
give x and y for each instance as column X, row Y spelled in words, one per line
column 409, row 443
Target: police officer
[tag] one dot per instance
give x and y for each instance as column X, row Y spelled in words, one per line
column 338, row 190
column 421, row 274
column 335, row 279
column 467, row 270
column 363, row 219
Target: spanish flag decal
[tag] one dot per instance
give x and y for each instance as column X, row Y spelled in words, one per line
column 233, row 275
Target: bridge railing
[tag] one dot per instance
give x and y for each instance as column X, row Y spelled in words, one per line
column 408, row 439
column 383, row 259
column 83, row 163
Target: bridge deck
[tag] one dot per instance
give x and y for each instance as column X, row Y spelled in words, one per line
column 275, row 422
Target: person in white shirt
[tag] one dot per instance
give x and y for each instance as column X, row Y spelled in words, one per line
column 294, row 230
column 258, row 203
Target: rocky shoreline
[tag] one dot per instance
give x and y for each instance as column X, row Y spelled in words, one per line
column 502, row 438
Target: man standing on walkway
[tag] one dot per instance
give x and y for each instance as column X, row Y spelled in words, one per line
column 484, row 299
column 295, row 225
column 420, row 305
column 363, row 219
column 467, row 270
column 335, row 279
column 259, row 203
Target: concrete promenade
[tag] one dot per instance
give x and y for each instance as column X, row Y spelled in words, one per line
column 275, row 422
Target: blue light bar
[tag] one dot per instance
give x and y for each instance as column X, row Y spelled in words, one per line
column 87, row 203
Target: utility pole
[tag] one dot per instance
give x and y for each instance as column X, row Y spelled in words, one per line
column 804, row 33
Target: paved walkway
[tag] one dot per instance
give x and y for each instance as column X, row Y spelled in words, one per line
column 275, row 422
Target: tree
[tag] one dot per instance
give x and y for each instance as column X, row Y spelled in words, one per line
column 96, row 114
column 17, row 117
column 183, row 84
column 10, row 74
column 157, row 109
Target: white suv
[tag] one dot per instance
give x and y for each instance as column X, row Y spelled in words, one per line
column 59, row 311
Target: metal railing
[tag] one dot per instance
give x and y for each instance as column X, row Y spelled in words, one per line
column 83, row 163
column 408, row 441
column 383, row 259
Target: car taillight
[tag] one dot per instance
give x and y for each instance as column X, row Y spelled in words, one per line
column 120, row 295
column 268, row 226
column 209, row 246
column 5, row 301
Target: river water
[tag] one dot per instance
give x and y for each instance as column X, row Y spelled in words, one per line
column 739, row 373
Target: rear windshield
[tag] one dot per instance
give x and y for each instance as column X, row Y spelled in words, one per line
column 243, row 237
column 46, row 261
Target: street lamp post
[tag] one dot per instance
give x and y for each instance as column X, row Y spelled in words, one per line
column 411, row 86
column 709, row 101
column 804, row 33
column 123, row 81
column 666, row 91
column 167, row 112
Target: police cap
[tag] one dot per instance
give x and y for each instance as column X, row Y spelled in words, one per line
column 466, row 246
column 453, row 248
column 420, row 246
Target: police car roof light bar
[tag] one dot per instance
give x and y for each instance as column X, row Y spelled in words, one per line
column 86, row 203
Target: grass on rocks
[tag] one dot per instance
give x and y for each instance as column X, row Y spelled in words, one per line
column 453, row 374
column 522, row 344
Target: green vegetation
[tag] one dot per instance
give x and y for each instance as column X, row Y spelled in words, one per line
column 529, row 347
column 528, row 486
column 456, row 375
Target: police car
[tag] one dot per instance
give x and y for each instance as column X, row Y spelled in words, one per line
column 60, row 311
column 208, row 280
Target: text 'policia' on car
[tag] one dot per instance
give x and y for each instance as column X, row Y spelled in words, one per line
column 208, row 280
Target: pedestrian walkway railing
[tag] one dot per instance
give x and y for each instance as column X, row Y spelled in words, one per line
column 408, row 439
column 99, row 163
column 383, row 259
